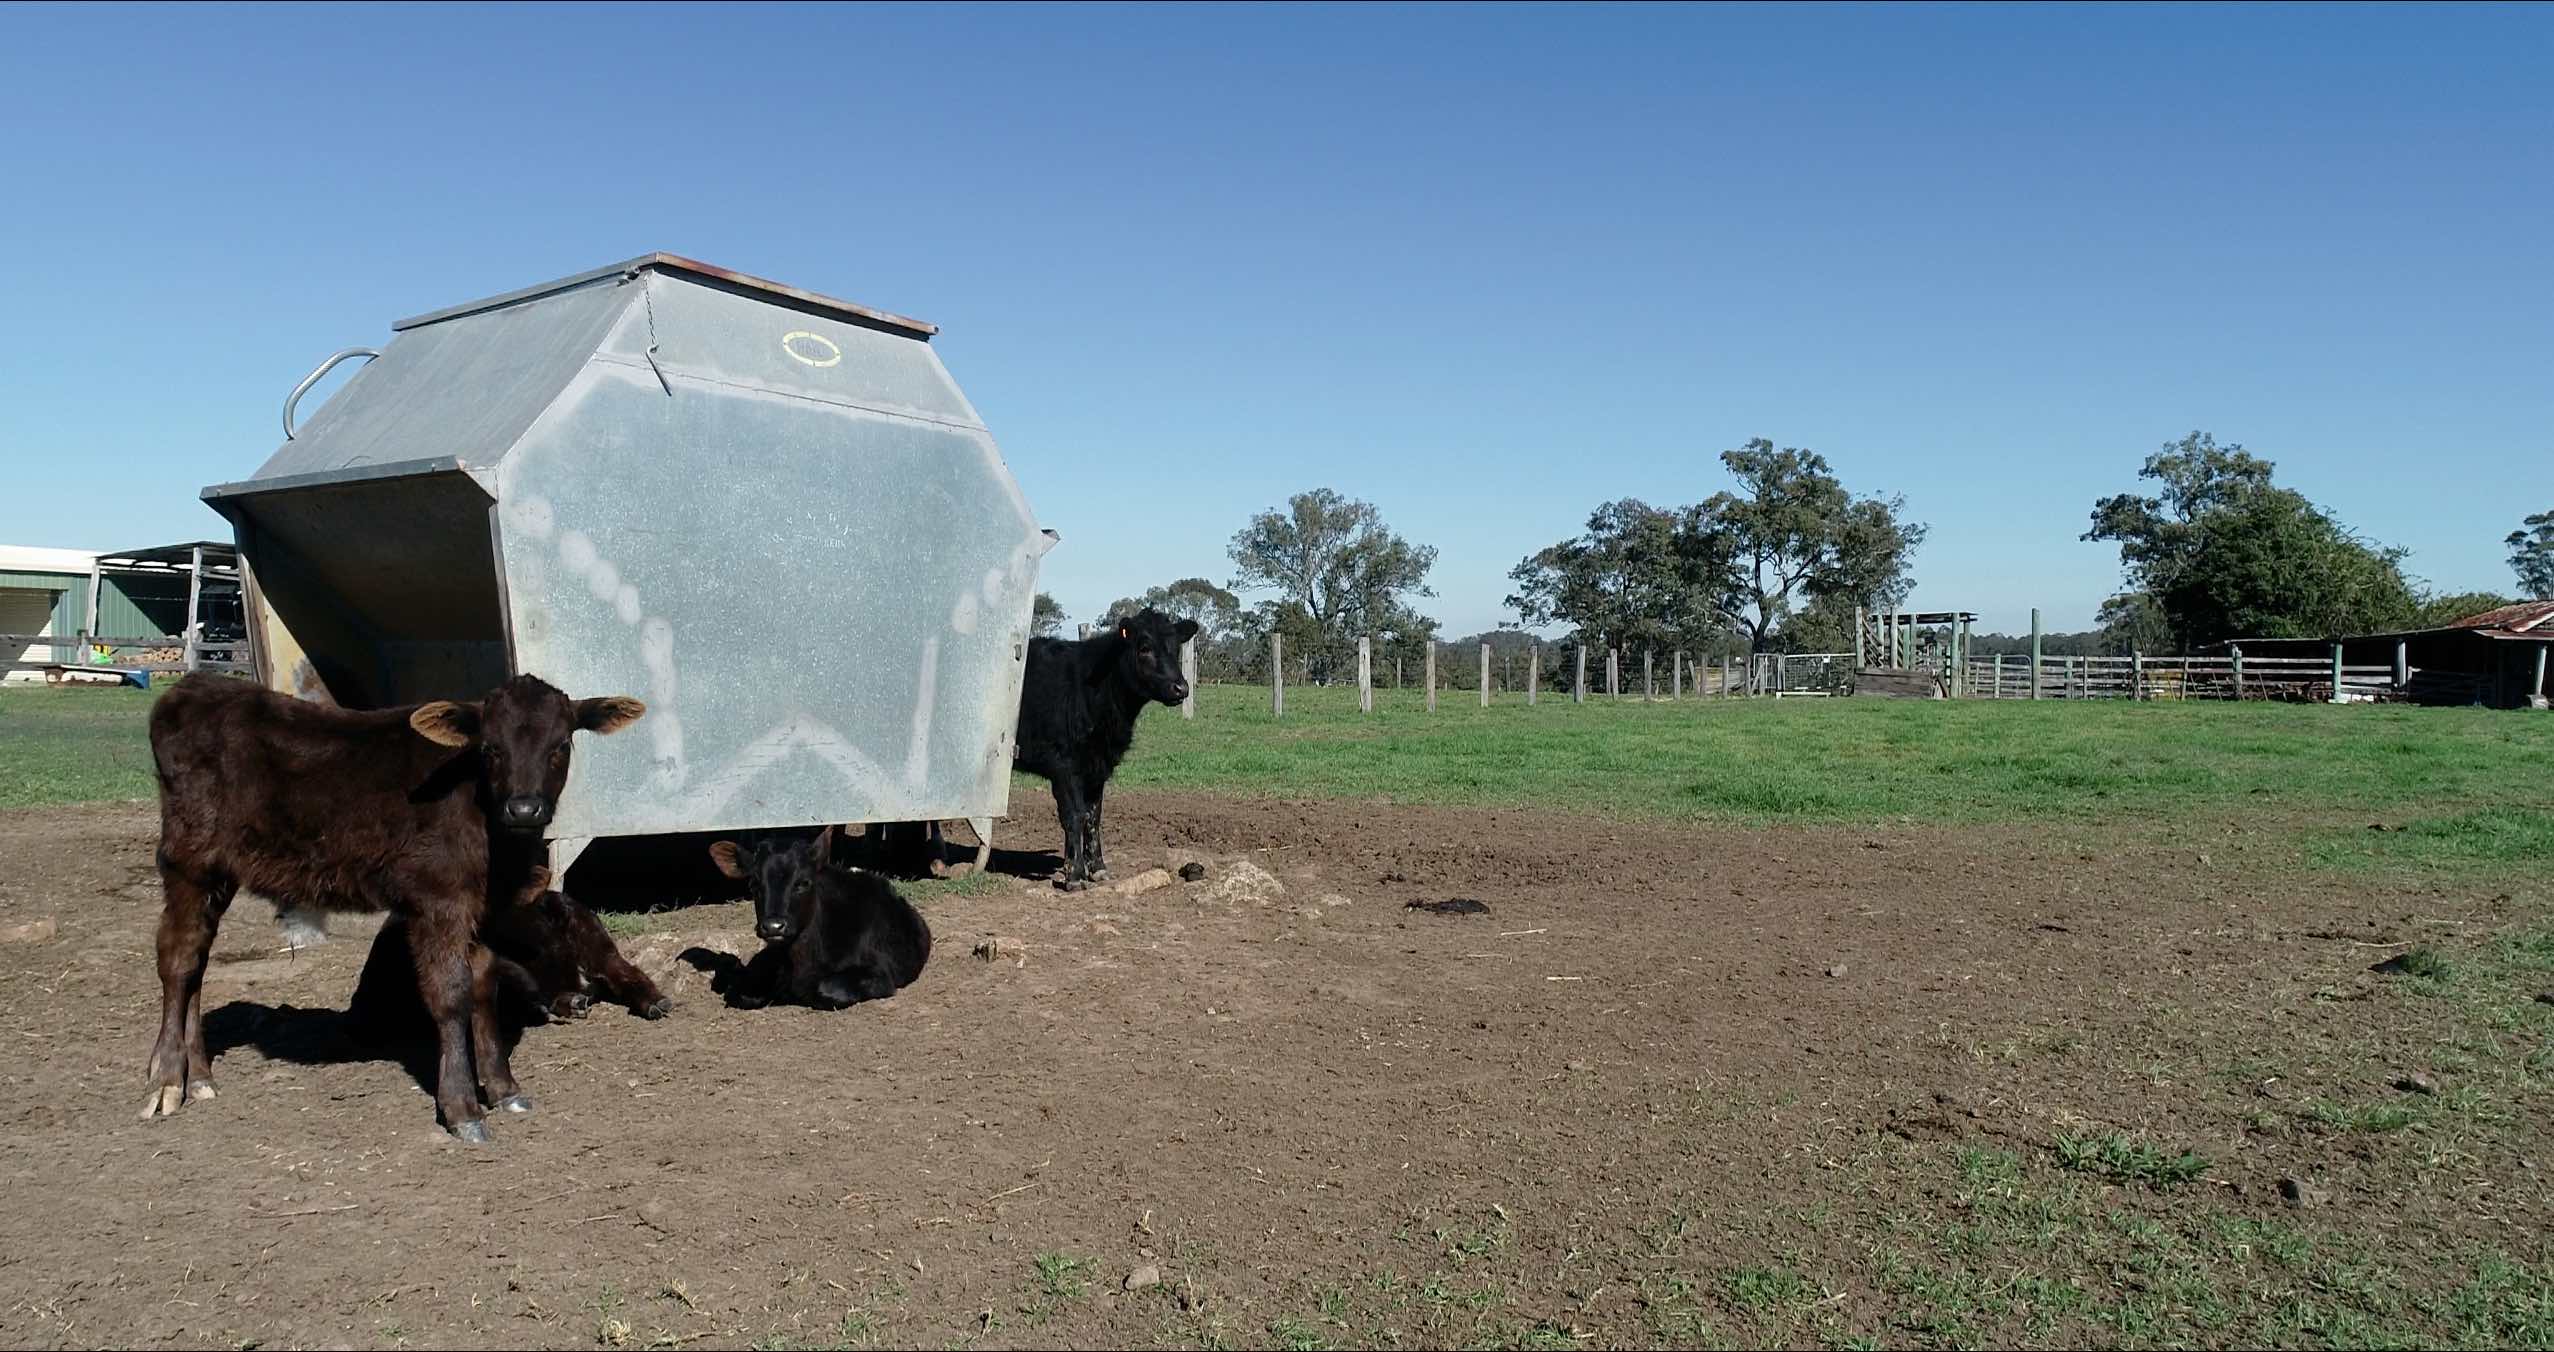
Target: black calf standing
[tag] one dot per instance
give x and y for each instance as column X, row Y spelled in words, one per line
column 1078, row 703
column 831, row 936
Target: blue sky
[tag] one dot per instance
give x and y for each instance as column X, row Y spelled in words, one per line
column 1482, row 267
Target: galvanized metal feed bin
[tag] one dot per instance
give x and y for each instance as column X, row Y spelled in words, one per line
column 771, row 515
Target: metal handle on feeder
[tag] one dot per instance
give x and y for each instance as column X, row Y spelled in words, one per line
column 313, row 378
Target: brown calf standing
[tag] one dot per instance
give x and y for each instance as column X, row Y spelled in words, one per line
column 427, row 811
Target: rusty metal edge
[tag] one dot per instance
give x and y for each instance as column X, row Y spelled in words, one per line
column 797, row 297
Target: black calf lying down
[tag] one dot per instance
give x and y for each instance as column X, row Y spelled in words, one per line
column 831, row 936
column 550, row 959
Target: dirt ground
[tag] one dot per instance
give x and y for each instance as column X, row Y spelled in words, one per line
column 1315, row 1115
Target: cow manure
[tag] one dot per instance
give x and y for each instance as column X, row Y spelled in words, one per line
column 1452, row 906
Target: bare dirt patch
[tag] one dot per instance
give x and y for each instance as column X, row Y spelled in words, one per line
column 1675, row 1083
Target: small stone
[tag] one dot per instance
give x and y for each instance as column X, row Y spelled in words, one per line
column 1578, row 1065
column 1192, row 872
column 1146, row 881
column 1837, row 970
column 2545, row 997
column 2297, row 1192
column 2417, row 1083
column 32, row 932
column 656, row 1215
column 1147, row 1275
column 1334, row 899
column 1244, row 881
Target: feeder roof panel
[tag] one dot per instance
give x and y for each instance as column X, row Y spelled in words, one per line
column 456, row 389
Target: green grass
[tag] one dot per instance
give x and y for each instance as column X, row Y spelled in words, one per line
column 1867, row 760
column 2122, row 1160
column 2439, row 780
column 82, row 745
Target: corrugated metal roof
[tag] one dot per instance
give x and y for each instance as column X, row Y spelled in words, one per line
column 2521, row 619
column 2530, row 621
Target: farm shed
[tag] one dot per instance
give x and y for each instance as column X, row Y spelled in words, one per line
column 2498, row 657
column 145, row 600
column 770, row 514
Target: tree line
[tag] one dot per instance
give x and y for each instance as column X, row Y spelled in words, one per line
column 2214, row 550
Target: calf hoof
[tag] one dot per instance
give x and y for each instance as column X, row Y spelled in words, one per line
column 513, row 1103
column 1101, row 874
column 571, row 1006
column 472, row 1133
column 199, row 1091
column 1073, row 885
column 164, row 1101
column 657, row 1008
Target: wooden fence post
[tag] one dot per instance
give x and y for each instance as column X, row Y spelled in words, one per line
column 1613, row 672
column 1277, row 675
column 1999, row 676
column 1188, row 673
column 1081, row 631
column 1857, row 638
column 2136, row 676
column 1432, row 676
column 2235, row 658
column 2336, row 674
column 1396, row 671
column 1485, row 675
column 1533, row 671
column 1365, row 676
column 1578, row 687
column 1675, row 676
column 2035, row 652
column 1649, row 679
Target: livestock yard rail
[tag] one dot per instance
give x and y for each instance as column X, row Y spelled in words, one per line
column 67, row 658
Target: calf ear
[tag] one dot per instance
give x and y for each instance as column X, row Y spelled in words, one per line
column 1186, row 629
column 723, row 854
column 608, row 713
column 445, row 723
column 825, row 846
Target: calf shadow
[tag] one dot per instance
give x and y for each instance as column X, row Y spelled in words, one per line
column 321, row 1037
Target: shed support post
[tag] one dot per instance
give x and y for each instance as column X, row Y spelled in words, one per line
column 2402, row 663
column 2336, row 673
column 97, row 583
column 2540, row 676
column 194, row 598
column 1188, row 673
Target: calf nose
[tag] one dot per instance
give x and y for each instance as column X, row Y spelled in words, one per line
column 772, row 929
column 525, row 811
